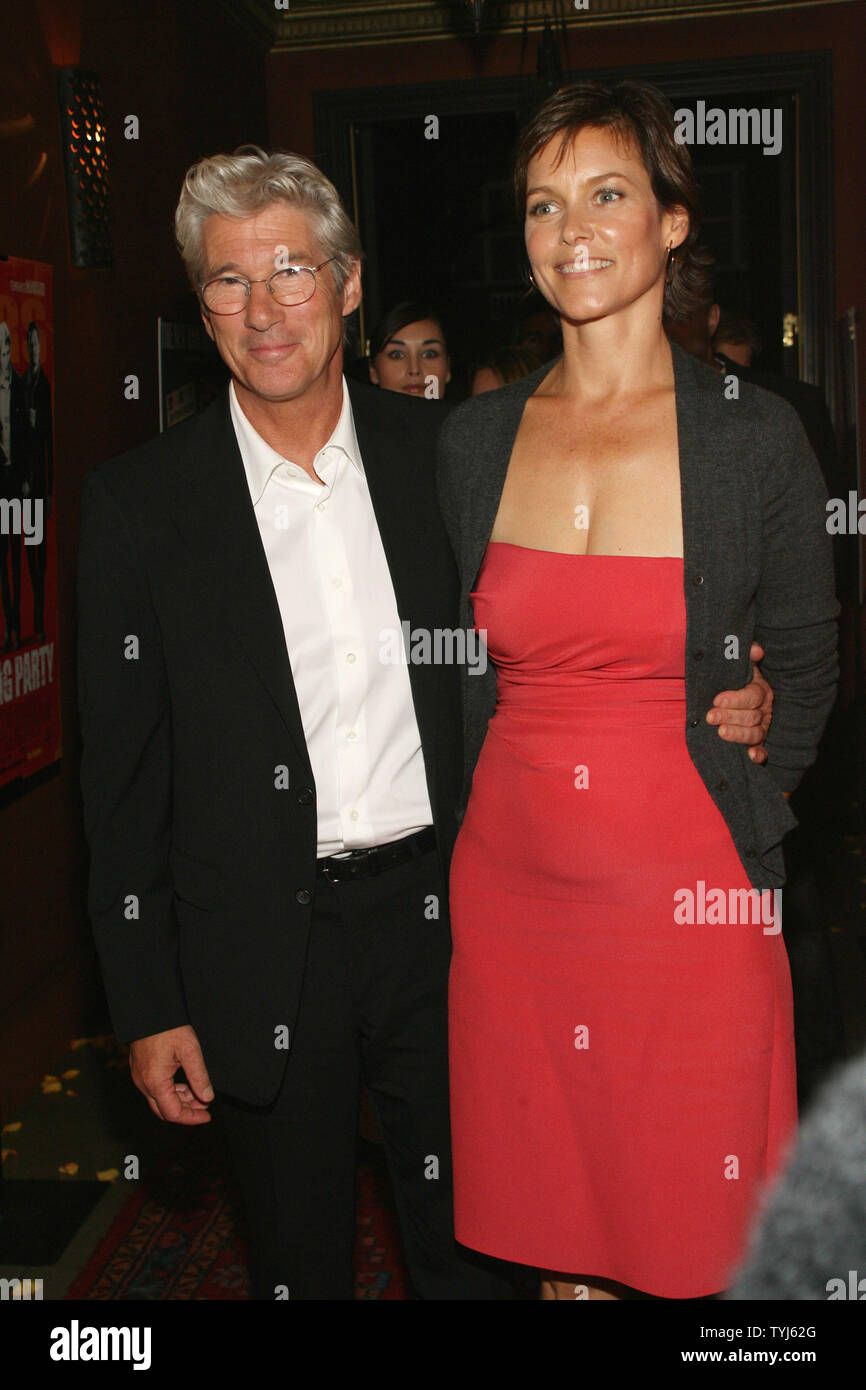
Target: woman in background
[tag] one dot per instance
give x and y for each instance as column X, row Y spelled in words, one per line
column 408, row 352
column 622, row 1053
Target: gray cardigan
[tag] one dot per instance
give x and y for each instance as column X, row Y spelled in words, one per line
column 757, row 565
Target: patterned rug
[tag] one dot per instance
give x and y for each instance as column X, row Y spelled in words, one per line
column 177, row 1238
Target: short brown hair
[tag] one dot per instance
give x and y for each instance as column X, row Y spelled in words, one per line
column 641, row 115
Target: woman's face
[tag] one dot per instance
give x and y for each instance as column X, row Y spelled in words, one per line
column 595, row 235
column 413, row 354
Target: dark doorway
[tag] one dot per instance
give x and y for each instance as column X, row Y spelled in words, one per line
column 750, row 222
column 436, row 224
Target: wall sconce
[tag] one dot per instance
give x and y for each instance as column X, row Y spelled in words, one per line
column 85, row 160
column 476, row 6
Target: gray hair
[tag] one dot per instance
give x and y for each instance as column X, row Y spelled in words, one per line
column 242, row 184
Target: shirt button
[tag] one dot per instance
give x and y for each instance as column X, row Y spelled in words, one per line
column 305, row 796
column 303, row 896
column 337, row 582
column 351, row 734
column 353, row 815
column 320, row 506
column 350, row 656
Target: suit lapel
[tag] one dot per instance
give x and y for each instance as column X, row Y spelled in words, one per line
column 400, row 500
column 213, row 510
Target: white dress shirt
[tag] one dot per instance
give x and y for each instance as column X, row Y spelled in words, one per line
column 335, row 596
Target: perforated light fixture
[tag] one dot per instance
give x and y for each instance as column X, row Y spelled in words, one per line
column 85, row 158
column 476, row 6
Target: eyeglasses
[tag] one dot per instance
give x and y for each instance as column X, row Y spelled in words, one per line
column 228, row 294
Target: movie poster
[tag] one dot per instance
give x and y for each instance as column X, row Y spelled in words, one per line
column 29, row 678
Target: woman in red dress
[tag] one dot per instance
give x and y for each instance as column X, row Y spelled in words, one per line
column 622, row 1054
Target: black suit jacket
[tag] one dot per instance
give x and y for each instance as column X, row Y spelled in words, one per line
column 202, row 871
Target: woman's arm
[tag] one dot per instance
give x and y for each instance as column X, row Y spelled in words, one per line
column 796, row 602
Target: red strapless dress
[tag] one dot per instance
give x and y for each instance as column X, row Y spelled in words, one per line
column 623, row 1083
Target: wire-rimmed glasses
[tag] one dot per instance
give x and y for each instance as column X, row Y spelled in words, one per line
column 292, row 284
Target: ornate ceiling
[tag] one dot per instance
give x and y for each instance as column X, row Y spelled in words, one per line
column 296, row 25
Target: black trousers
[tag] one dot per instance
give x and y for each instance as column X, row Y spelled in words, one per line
column 373, row 1010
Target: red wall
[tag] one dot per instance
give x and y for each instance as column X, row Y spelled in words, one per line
column 196, row 87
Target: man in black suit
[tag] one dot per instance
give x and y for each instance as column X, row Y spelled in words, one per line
column 269, row 796
column 39, row 479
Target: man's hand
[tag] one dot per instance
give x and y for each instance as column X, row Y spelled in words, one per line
column 153, row 1062
column 746, row 713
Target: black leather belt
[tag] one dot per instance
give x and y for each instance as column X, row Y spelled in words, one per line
column 361, row 863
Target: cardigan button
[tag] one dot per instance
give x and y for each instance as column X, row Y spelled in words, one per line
column 751, row 852
column 698, row 579
column 303, row 896
column 305, row 796
column 722, row 786
column 696, row 656
column 694, row 723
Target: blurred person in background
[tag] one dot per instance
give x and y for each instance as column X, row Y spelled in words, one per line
column 736, row 336
column 810, row 1240
column 537, row 328
column 502, row 366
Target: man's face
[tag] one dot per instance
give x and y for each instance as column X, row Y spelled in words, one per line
column 276, row 352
